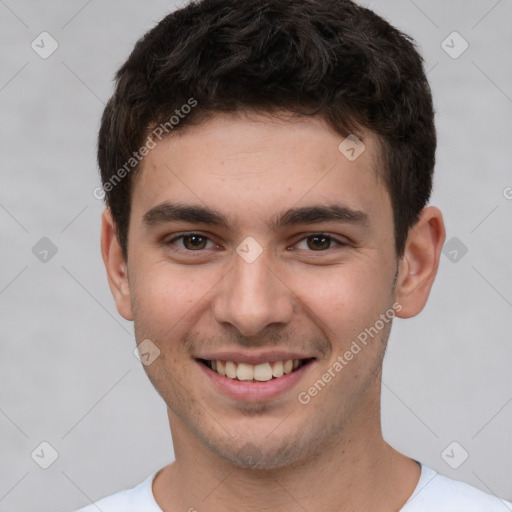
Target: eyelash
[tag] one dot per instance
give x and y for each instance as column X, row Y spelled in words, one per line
column 170, row 243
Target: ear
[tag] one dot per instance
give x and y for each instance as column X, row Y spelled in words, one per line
column 115, row 264
column 419, row 264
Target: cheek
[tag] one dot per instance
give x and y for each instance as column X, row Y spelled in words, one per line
column 167, row 298
column 345, row 299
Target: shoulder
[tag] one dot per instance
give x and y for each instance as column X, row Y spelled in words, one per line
column 437, row 492
column 139, row 498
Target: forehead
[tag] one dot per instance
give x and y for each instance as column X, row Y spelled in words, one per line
column 259, row 163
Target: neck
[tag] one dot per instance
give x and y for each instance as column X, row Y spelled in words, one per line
column 357, row 471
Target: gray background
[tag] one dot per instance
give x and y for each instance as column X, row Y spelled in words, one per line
column 68, row 373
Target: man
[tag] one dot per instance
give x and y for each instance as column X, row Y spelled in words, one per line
column 267, row 167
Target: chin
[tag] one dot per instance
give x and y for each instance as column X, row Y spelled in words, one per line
column 265, row 452
column 250, row 456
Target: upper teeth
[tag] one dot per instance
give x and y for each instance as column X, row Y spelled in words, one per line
column 261, row 372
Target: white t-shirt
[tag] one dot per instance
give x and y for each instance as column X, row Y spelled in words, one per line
column 434, row 493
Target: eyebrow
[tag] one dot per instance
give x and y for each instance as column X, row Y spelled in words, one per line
column 167, row 212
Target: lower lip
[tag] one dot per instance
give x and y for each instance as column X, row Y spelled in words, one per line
column 254, row 391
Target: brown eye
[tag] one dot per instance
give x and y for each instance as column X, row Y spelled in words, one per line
column 319, row 242
column 190, row 242
column 194, row 242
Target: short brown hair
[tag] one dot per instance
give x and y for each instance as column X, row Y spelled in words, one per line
column 330, row 58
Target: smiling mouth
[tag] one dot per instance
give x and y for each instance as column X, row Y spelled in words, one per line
column 255, row 372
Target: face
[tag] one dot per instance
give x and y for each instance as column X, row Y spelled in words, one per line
column 257, row 249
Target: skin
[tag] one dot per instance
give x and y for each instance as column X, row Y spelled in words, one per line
column 328, row 454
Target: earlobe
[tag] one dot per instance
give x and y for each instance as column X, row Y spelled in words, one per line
column 419, row 264
column 115, row 265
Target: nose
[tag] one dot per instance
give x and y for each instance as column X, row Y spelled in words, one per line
column 252, row 296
